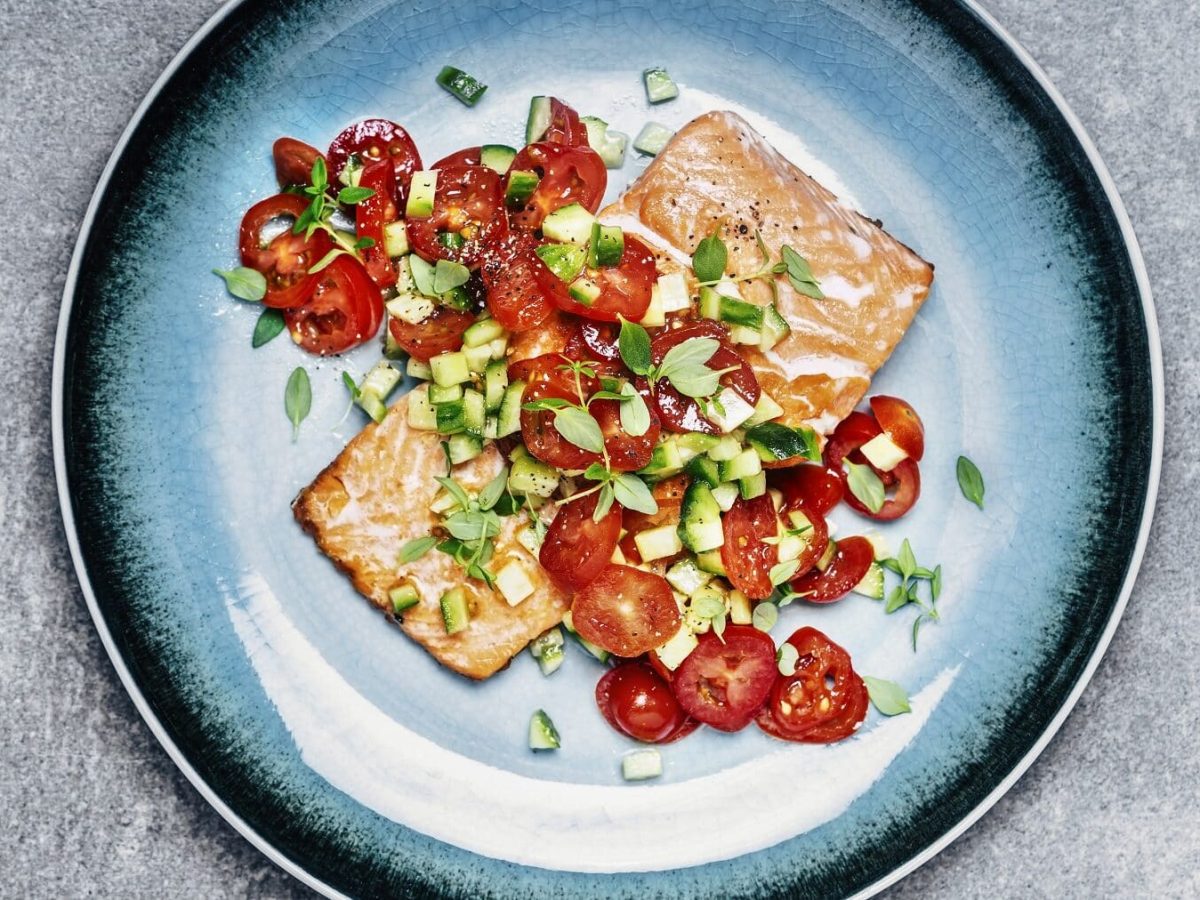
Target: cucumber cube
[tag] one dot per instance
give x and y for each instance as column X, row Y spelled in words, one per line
column 652, row 139
column 395, row 239
column 677, row 649
column 421, row 191
column 570, row 224
column 659, row 86
column 542, row 733
column 641, row 765
column 450, row 368
column 421, row 413
column 674, row 293
column 657, row 543
column 456, row 614
column 514, row 583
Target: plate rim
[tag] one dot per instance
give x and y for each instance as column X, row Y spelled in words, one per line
column 268, row 849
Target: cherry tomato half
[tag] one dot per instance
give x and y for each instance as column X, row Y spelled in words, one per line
column 576, row 546
column 624, row 289
column 442, row 331
column 626, row 453
column 468, row 207
column 626, row 611
column 824, row 701
column 467, row 157
column 901, row 423
column 514, row 294
column 640, row 704
column 808, row 487
column 594, row 340
column 724, row 681
column 905, row 479
column 850, row 563
column 345, row 309
column 545, row 380
column 565, row 127
column 266, row 244
column 372, row 140
column 747, row 557
column 370, row 217
column 293, row 161
column 816, row 540
column 566, row 175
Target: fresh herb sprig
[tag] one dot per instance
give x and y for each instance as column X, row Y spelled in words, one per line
column 905, row 593
column 970, row 481
column 469, row 527
column 708, row 262
column 684, row 366
column 319, row 213
column 297, row 399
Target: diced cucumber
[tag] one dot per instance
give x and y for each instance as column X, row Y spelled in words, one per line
column 474, row 411
column 608, row 144
column 570, row 224
column 664, row 461
column 403, row 597
column 765, row 410
column 451, row 240
column 451, row 417
column 497, row 157
column 657, row 543
column 740, row 334
column 726, row 448
column 677, row 649
column 872, row 583
column 514, row 583
column 710, row 303
column 542, row 733
column 745, row 464
column 478, row 358
column 467, row 88
column 640, row 765
column 881, row 451
column 411, row 308
column 654, row 317
column 548, row 649
column 450, row 368
column 529, row 476
column 421, row 413
column 421, row 191
column 521, row 185
column 391, row 347
column 674, row 293
column 456, row 614
column 740, row 612
column 482, row 332
column 699, row 519
column 775, row 441
column 774, row 329
column 606, row 246
column 529, row 539
column 694, row 443
column 741, row 312
column 726, row 495
column 827, row 557
column 510, row 409
column 659, row 86
column 464, row 447
column 395, row 239
column 652, row 139
column 448, row 393
column 704, row 469
column 598, row 652
column 539, row 119
column 584, row 291
column 753, row 486
column 495, row 382
column 711, row 562
column 879, row 544
column 375, row 388
column 687, row 577
column 418, row 368
column 564, row 260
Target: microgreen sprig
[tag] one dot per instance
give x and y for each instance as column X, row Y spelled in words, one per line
column 708, row 262
column 319, row 213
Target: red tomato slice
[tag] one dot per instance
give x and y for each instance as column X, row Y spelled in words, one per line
column 817, row 541
column 850, row 563
column 747, row 558
column 626, row 611
column 723, row 682
column 808, row 487
column 824, row 701
column 624, row 289
column 371, row 215
column 469, row 203
column 467, row 157
column 541, row 437
column 514, row 294
column 440, row 332
column 565, row 127
column 576, row 546
column 668, row 494
column 626, row 453
column 567, row 175
column 372, row 140
column 594, row 340
column 640, row 704
column 294, row 161
column 901, row 423
column 344, row 311
column 904, row 481
column 285, row 258
column 682, row 414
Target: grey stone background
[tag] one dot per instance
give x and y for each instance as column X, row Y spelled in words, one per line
column 90, row 805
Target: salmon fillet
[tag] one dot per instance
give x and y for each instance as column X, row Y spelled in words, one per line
column 375, row 497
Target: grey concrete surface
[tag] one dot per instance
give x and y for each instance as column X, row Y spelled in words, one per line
column 90, row 805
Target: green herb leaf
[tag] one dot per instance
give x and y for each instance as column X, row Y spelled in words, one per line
column 297, row 398
column 493, row 490
column 922, row 572
column 709, row 260
column 634, row 345
column 783, row 571
column 416, row 548
column 635, row 417
column 479, row 573
column 422, row 273
column 578, row 427
column 695, row 381
column 891, row 565
column 604, row 501
column 354, row 194
column 707, row 606
column 364, row 243
column 800, row 275
column 244, row 283
column 718, row 626
column 786, row 658
column 544, row 403
column 765, row 615
column 866, row 486
column 596, row 472
column 320, row 175
column 935, row 583
column 896, row 599
column 906, row 560
column 455, row 490
column 889, row 698
column 916, row 630
column 325, row 260
column 448, row 275
column 268, row 327
column 970, row 481
column 687, row 354
column 472, row 525
column 351, row 386
column 631, row 492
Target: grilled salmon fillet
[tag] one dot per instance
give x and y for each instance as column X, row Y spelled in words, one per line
column 718, row 174
column 375, row 497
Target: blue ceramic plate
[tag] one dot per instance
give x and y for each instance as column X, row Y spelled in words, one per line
column 339, row 747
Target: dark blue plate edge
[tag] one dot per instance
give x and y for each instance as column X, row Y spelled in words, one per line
column 1141, row 384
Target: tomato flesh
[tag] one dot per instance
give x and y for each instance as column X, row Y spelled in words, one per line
column 640, row 704
column 850, row 563
column 725, row 680
column 466, row 157
column 576, row 546
column 626, row 611
column 904, row 480
column 625, row 289
column 747, row 558
column 442, row 331
column 566, row 175
column 901, row 423
column 824, row 701
column 370, row 217
column 541, row 437
column 808, row 487
column 345, row 309
column 626, row 453
column 294, row 161
column 468, row 205
column 592, row 339
column 682, row 414
column 372, row 140
column 565, row 127
column 283, row 258
column 514, row 294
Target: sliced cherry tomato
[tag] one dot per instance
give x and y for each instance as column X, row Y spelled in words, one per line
column 904, row 480
column 372, row 140
column 668, row 494
column 468, row 205
column 626, row 611
column 824, row 701
column 682, row 414
column 640, row 704
column 747, row 557
column 626, row 453
column 514, row 295
column 595, row 340
column 576, row 546
column 849, row 564
column 442, row 331
column 901, row 423
column 267, row 244
column 371, row 215
column 551, row 367
column 624, row 289
column 467, row 157
column 294, row 161
column 345, row 309
column 565, row 127
column 809, row 487
column 817, row 540
column 724, row 681
column 545, row 379
column 566, row 175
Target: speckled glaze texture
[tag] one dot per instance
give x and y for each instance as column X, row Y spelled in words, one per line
column 1032, row 355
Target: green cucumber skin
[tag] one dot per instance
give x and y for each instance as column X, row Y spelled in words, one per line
column 698, row 508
